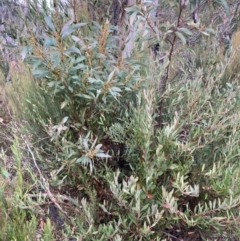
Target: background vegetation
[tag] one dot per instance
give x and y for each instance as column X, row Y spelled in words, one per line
column 98, row 143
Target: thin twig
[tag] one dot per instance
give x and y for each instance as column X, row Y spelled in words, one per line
column 45, row 182
column 163, row 82
column 172, row 236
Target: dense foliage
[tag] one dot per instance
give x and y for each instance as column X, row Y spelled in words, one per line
column 109, row 147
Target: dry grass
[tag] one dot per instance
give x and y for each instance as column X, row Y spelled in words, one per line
column 233, row 70
column 22, row 83
column 5, row 120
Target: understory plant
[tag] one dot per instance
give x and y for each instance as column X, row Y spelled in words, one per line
column 81, row 73
column 188, row 170
column 139, row 148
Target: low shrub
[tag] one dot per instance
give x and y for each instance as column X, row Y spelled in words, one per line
column 129, row 154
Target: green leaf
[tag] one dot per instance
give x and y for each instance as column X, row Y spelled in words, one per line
column 111, row 76
column 180, row 35
column 210, row 30
column 5, row 173
column 98, row 147
column 25, row 51
column 132, row 18
column 132, row 9
column 173, row 166
column 53, row 83
column 84, row 160
column 205, row 33
column 186, row 31
column 102, row 155
column 103, row 208
column 67, row 29
column 76, row 39
column 50, row 42
column 66, row 26
column 64, row 103
column 93, row 80
column 79, row 66
column 116, row 89
column 40, row 72
column 72, row 49
column 49, row 23
column 84, row 96
column 225, row 5
column 79, row 59
column 64, row 120
column 10, row 46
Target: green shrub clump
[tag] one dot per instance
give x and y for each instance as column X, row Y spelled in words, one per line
column 135, row 156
